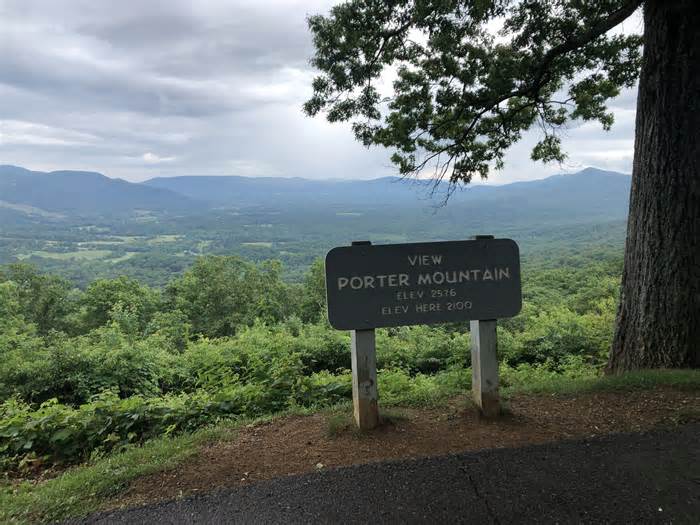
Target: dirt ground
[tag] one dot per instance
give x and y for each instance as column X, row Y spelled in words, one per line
column 299, row 444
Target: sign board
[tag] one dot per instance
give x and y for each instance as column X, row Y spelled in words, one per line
column 370, row 286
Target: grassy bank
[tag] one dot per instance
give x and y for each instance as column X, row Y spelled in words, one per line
column 86, row 488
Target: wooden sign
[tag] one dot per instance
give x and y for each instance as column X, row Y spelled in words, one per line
column 372, row 286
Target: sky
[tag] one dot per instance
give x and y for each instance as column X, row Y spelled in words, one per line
column 208, row 87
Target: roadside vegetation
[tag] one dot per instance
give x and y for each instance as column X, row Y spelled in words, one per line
column 84, row 373
column 108, row 475
column 127, row 379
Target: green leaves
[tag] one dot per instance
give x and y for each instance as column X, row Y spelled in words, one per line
column 548, row 149
column 67, row 399
column 123, row 300
column 42, row 300
column 220, row 295
column 463, row 95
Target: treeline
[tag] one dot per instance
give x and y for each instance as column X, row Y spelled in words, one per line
column 119, row 362
column 215, row 297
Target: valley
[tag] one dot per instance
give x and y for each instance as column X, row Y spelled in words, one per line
column 562, row 216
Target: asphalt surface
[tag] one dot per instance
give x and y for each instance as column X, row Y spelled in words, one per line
column 628, row 478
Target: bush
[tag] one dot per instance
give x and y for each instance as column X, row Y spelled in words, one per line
column 397, row 387
column 554, row 334
column 56, row 433
column 226, row 339
column 421, row 349
column 74, row 369
column 527, row 376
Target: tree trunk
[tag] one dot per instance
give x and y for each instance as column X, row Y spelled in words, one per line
column 658, row 320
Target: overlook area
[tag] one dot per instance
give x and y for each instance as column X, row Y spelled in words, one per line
column 349, row 261
column 102, row 358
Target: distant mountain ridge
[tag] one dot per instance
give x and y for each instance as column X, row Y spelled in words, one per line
column 238, row 191
column 233, row 190
column 84, row 192
column 591, row 192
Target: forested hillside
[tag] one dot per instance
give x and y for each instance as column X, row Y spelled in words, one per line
column 86, row 372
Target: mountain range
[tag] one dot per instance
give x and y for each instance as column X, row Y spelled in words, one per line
column 588, row 192
column 83, row 192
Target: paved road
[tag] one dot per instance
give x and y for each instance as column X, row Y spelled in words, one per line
column 631, row 478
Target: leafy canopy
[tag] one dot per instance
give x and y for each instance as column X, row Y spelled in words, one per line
column 465, row 92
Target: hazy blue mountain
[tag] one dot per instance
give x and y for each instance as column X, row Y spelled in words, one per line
column 79, row 223
column 81, row 192
column 590, row 191
column 590, row 194
column 265, row 191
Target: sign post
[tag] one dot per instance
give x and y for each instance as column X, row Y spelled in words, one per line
column 485, row 367
column 364, row 374
column 371, row 286
column 364, row 379
column 484, row 354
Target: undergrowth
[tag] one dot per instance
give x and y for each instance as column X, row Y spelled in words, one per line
column 107, row 475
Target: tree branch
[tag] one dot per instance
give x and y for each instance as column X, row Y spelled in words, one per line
column 584, row 38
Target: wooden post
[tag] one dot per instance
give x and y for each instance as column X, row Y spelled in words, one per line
column 485, row 367
column 364, row 374
column 364, row 379
column 485, row 363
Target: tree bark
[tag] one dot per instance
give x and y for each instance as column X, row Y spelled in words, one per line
column 658, row 320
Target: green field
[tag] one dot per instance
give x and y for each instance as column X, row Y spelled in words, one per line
column 258, row 244
column 125, row 257
column 80, row 255
column 164, row 238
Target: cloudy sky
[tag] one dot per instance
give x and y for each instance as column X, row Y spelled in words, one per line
column 207, row 87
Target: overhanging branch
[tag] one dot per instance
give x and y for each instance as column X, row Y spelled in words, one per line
column 584, row 38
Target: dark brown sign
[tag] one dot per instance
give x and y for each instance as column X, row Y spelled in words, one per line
column 370, row 286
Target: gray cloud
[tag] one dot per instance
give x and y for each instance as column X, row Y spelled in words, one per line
column 142, row 89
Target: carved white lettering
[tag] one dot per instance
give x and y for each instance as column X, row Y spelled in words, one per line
column 428, row 307
column 395, row 310
column 424, row 260
column 356, row 282
column 424, row 278
column 397, row 280
column 409, row 296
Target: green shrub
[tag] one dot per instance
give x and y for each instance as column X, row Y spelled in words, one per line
column 323, row 389
column 59, row 433
column 121, row 362
column 554, row 334
column 421, row 349
column 74, row 369
column 398, row 387
column 526, row 376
